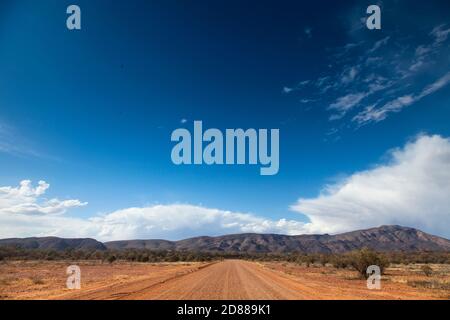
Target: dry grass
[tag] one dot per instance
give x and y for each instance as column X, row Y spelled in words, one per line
column 417, row 276
column 399, row 280
column 44, row 279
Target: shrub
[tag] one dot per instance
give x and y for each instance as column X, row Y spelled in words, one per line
column 51, row 255
column 427, row 270
column 340, row 261
column 111, row 258
column 37, row 281
column 324, row 259
column 309, row 260
column 362, row 259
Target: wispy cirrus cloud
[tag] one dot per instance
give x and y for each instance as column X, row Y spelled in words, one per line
column 370, row 80
column 345, row 103
column 374, row 114
column 378, row 44
column 440, row 34
column 13, row 144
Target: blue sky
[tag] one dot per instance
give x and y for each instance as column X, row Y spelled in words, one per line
column 91, row 111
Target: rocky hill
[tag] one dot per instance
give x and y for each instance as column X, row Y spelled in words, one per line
column 384, row 238
column 54, row 243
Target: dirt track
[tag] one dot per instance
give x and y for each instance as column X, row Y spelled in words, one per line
column 235, row 279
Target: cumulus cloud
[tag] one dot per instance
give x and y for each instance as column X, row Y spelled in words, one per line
column 183, row 220
column 412, row 189
column 174, row 221
column 23, row 213
column 25, row 200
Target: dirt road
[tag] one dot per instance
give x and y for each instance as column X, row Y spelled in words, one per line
column 236, row 279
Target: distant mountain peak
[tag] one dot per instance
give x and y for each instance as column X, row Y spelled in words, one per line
column 54, row 243
column 384, row 238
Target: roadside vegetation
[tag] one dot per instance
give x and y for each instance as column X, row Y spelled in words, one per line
column 358, row 260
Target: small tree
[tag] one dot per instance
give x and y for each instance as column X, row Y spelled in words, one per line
column 340, row 261
column 427, row 270
column 362, row 259
column 111, row 258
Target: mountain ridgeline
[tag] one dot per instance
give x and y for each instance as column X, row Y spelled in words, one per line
column 384, row 238
column 53, row 243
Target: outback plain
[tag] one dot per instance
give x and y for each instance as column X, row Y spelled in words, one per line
column 217, row 280
column 412, row 265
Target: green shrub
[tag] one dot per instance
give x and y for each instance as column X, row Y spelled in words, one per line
column 111, row 258
column 427, row 270
column 340, row 261
column 362, row 259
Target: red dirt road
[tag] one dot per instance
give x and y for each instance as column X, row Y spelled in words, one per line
column 236, row 279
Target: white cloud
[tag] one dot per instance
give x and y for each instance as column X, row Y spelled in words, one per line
column 297, row 87
column 182, row 220
column 25, row 200
column 379, row 44
column 345, row 103
column 349, row 74
column 305, row 101
column 372, row 114
column 422, row 50
column 23, row 213
column 174, row 221
column 440, row 33
column 287, row 90
column 342, row 51
column 413, row 189
column 437, row 85
column 389, row 71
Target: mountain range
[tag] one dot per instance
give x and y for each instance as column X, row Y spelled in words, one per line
column 384, row 238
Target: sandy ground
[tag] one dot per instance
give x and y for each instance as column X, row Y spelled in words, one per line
column 229, row 279
column 47, row 280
